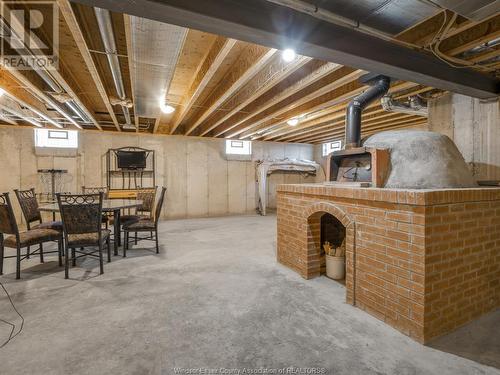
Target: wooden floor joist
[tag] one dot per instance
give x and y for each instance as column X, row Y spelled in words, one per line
column 339, row 125
column 43, row 97
column 310, row 73
column 338, row 112
column 318, row 93
column 252, row 59
column 25, row 99
column 69, row 16
column 231, row 88
column 216, row 56
column 269, row 77
column 372, row 130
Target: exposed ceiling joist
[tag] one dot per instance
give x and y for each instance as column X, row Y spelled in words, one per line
column 251, row 60
column 67, row 88
column 212, row 62
column 387, row 118
column 24, row 98
column 370, row 131
column 255, row 22
column 56, row 79
column 318, row 118
column 323, row 97
column 347, row 92
column 406, row 120
column 473, row 43
column 36, row 91
column 267, row 78
column 373, row 129
column 69, row 16
column 312, row 72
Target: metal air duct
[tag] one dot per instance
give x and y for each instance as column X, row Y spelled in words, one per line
column 156, row 47
column 108, row 39
column 21, row 115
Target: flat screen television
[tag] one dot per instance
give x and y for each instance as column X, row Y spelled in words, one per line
column 131, row 159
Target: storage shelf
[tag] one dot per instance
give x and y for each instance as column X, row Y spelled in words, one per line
column 129, row 180
column 132, row 171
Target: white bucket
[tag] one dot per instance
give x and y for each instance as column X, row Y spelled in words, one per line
column 335, row 267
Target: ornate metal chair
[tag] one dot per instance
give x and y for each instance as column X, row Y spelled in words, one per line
column 145, row 210
column 96, row 190
column 145, row 225
column 29, row 207
column 19, row 240
column 81, row 216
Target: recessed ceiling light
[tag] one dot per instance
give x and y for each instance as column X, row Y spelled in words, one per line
column 293, row 121
column 166, row 108
column 288, row 55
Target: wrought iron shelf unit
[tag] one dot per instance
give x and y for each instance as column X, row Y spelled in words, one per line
column 123, row 179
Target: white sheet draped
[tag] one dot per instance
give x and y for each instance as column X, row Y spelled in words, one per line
column 266, row 167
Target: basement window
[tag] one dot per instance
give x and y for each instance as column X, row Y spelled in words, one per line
column 56, row 138
column 237, row 147
column 330, row 147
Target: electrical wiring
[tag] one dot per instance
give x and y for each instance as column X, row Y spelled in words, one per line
column 454, row 62
column 13, row 326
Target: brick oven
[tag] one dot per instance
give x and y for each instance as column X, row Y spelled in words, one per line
column 422, row 241
column 423, row 261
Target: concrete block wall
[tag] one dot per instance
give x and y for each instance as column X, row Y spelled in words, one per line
column 474, row 126
column 200, row 180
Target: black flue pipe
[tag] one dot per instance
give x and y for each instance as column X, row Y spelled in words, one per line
column 379, row 86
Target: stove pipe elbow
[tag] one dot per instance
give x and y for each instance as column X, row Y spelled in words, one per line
column 379, row 87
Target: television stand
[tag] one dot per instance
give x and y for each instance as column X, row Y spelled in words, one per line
column 123, row 180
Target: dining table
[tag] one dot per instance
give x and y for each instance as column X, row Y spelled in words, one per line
column 114, row 206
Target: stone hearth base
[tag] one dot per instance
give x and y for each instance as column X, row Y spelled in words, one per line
column 423, row 261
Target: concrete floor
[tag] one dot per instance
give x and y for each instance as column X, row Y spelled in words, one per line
column 214, row 298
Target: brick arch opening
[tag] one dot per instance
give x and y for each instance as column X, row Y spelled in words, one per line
column 315, row 255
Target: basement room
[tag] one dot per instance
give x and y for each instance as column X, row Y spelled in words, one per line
column 250, row 187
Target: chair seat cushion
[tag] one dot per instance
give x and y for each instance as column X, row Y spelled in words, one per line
column 87, row 239
column 141, row 225
column 128, row 219
column 32, row 237
column 56, row 225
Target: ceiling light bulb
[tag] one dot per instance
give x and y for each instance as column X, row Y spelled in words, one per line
column 293, row 121
column 166, row 108
column 2, row 91
column 288, row 55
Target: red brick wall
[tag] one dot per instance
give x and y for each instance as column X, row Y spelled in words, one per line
column 397, row 266
column 462, row 263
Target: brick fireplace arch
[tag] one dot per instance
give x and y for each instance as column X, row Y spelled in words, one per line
column 314, row 260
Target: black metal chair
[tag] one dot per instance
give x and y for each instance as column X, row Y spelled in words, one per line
column 29, row 207
column 19, row 240
column 144, row 211
column 145, row 225
column 81, row 216
column 96, row 190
